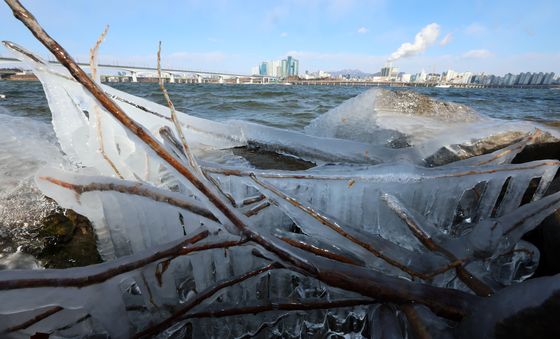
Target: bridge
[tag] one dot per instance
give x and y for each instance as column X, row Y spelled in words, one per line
column 173, row 75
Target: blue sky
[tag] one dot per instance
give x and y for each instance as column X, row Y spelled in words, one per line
column 483, row 36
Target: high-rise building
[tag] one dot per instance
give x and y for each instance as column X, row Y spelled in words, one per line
column 537, row 78
column 548, row 78
column 280, row 68
column 449, row 75
column 263, row 68
column 275, row 68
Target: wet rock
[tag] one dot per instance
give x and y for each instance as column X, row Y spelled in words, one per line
column 68, row 241
column 57, row 229
column 414, row 103
column 533, row 322
column 449, row 154
column 546, row 236
column 38, row 227
column 545, row 149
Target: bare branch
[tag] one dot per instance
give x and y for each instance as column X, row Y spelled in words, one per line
column 255, row 210
column 418, row 327
column 93, row 53
column 282, row 305
column 416, row 228
column 104, row 275
column 320, row 251
column 98, row 127
column 138, row 189
column 34, row 320
column 174, row 118
column 199, row 298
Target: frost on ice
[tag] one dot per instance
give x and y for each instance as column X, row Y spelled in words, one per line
column 408, row 223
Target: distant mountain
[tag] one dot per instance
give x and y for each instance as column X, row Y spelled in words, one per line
column 353, row 73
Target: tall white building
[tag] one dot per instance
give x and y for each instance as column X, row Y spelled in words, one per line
column 279, row 68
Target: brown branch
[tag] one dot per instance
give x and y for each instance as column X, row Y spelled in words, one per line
column 102, row 142
column 199, row 298
column 442, row 301
column 255, row 210
column 93, row 53
column 174, row 118
column 34, row 320
column 418, row 327
column 137, row 189
column 475, row 284
column 252, row 200
column 273, row 175
column 320, row 251
column 278, row 306
column 108, row 274
column 219, row 188
column 93, row 68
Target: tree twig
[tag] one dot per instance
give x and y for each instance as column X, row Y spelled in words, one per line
column 98, row 127
column 34, row 320
column 93, row 53
column 174, row 118
column 91, row 279
column 199, row 298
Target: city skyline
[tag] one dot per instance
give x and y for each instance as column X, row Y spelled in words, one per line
column 497, row 38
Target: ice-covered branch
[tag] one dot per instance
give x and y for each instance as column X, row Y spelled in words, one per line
column 174, row 119
column 201, row 297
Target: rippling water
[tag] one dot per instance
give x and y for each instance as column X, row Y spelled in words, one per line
column 292, row 106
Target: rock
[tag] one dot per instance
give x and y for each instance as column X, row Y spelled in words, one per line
column 545, row 149
column 57, row 229
column 532, row 322
column 68, row 241
column 414, row 103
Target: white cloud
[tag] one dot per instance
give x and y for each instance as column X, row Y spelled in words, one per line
column 475, row 29
column 478, row 54
column 363, row 30
column 446, row 39
column 423, row 39
column 283, row 34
